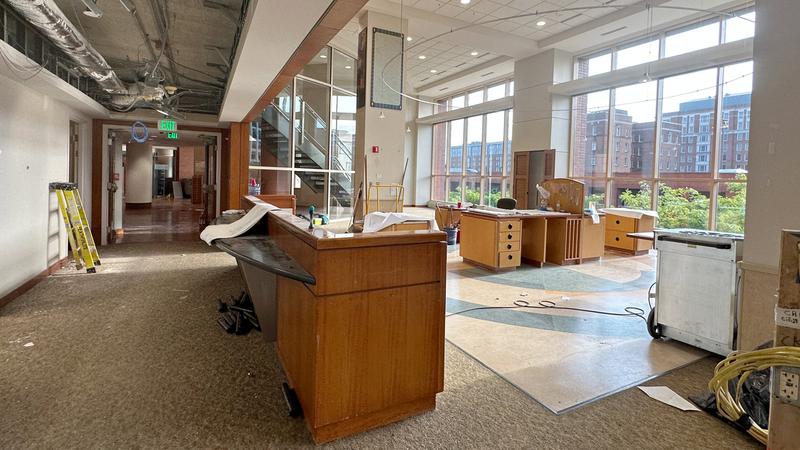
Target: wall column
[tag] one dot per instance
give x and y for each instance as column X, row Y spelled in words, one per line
column 385, row 128
column 541, row 119
column 139, row 189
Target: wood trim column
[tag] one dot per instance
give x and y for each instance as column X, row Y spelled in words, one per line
column 237, row 162
column 96, row 219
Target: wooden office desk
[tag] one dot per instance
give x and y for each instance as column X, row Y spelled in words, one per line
column 505, row 241
column 363, row 345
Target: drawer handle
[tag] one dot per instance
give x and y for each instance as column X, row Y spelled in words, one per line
column 509, row 246
column 510, row 257
column 617, row 222
column 617, row 238
column 510, row 236
column 510, row 226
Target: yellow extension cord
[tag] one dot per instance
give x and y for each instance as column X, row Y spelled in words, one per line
column 742, row 364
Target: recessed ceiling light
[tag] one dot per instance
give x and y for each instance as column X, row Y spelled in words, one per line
column 348, row 67
column 323, row 56
column 465, row 2
column 541, row 23
column 474, row 53
column 421, row 56
column 434, row 70
column 409, row 38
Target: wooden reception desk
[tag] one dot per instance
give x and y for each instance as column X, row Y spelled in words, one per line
column 363, row 345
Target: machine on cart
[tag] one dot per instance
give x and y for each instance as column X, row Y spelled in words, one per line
column 697, row 297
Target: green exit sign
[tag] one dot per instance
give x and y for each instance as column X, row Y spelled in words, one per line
column 173, row 135
column 167, row 125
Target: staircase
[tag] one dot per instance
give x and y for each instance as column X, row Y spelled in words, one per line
column 309, row 153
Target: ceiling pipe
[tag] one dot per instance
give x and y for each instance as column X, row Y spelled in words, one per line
column 48, row 18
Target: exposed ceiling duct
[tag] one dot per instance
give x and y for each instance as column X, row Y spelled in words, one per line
column 48, row 18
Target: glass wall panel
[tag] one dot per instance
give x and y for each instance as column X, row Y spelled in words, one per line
column 457, row 102
column 697, row 38
column 590, row 130
column 689, row 101
column 472, row 190
column 593, row 65
column 456, row 146
column 683, row 204
column 742, row 26
column 341, row 195
column 474, row 145
column 637, row 54
column 343, row 71
column 475, row 97
column 509, row 148
column 264, row 181
column 634, row 194
column 312, row 132
column 495, row 126
column 343, row 109
column 595, row 193
column 495, row 92
column 439, row 150
column 269, row 136
column 309, row 189
column 634, row 130
column 731, row 201
column 735, row 137
column 318, row 68
column 454, row 189
column 493, row 192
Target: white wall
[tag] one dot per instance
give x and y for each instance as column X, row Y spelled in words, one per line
column 773, row 186
column 139, row 175
column 34, row 151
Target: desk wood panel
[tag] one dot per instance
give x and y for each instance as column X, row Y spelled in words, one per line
column 534, row 241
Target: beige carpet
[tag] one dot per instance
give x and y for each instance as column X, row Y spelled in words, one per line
column 132, row 358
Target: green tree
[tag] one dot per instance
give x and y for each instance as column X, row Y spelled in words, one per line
column 731, row 206
column 682, row 207
column 598, row 198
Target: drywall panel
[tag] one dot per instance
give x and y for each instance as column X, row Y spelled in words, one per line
column 139, row 174
column 34, row 151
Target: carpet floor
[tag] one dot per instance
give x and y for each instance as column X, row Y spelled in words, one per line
column 132, row 357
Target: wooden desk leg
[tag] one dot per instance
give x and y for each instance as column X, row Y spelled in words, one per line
column 534, row 241
column 260, row 285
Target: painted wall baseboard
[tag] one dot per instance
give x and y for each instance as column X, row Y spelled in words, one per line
column 28, row 285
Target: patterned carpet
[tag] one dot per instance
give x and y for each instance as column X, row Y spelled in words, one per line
column 131, row 357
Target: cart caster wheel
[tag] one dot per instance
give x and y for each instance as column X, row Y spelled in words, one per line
column 653, row 328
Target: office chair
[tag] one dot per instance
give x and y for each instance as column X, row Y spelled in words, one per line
column 507, row 203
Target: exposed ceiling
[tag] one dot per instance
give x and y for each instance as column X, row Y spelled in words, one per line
column 570, row 25
column 199, row 37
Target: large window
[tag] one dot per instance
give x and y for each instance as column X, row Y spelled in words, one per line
column 303, row 141
column 679, row 144
column 472, row 155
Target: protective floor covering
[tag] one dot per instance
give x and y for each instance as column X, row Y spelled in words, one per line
column 563, row 359
column 132, row 358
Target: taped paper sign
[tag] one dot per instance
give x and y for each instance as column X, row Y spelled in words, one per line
column 789, row 318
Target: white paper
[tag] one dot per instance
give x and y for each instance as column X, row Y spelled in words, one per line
column 594, row 214
column 376, row 221
column 668, row 396
column 228, row 230
column 627, row 212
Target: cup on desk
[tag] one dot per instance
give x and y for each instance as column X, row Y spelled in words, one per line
column 459, row 205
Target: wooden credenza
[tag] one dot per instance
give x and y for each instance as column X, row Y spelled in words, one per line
column 618, row 227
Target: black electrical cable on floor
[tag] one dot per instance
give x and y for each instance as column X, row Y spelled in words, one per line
column 630, row 311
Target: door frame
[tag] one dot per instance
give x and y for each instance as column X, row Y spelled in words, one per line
column 100, row 176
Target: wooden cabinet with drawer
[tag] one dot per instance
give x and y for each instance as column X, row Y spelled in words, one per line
column 618, row 227
column 491, row 243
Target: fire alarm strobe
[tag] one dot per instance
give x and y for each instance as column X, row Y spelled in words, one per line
column 376, row 149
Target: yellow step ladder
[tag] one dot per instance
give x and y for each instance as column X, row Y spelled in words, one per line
column 84, row 251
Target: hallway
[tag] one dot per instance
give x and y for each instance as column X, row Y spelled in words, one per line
column 166, row 220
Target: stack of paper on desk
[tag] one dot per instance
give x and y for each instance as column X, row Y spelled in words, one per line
column 256, row 213
column 376, row 221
